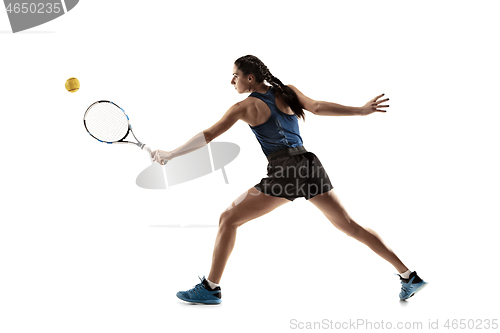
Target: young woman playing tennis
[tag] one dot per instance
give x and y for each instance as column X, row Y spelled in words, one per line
column 272, row 112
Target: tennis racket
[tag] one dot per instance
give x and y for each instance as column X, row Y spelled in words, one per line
column 107, row 122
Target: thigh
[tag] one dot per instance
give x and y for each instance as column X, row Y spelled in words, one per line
column 330, row 206
column 249, row 206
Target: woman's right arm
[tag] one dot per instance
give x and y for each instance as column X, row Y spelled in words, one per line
column 321, row 108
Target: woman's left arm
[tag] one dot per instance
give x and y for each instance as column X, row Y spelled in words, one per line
column 201, row 139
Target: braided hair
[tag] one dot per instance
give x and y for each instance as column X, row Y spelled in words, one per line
column 250, row 64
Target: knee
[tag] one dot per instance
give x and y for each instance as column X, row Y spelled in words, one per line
column 352, row 229
column 228, row 220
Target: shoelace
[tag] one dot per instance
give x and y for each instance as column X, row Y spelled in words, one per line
column 403, row 284
column 198, row 286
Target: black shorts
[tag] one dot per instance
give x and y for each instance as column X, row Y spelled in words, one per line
column 296, row 176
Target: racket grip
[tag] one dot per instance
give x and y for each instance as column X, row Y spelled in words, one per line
column 146, row 148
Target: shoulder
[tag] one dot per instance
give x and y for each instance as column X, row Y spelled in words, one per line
column 244, row 110
column 249, row 104
column 250, row 110
column 297, row 91
column 307, row 103
column 243, row 106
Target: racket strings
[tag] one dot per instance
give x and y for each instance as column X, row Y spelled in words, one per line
column 112, row 125
column 106, row 122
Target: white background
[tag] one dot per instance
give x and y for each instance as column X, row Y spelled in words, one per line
column 83, row 249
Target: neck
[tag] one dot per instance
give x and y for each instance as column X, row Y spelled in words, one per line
column 260, row 88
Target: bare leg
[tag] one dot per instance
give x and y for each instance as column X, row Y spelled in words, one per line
column 246, row 207
column 330, row 205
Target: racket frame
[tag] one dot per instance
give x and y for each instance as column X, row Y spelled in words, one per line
column 122, row 140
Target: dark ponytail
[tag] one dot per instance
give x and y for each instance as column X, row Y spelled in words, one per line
column 250, row 64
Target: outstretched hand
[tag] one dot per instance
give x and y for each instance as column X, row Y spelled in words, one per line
column 161, row 156
column 373, row 106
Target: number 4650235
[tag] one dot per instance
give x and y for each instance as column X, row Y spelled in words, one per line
column 34, row 8
column 471, row 324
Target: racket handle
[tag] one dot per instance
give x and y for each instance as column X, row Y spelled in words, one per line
column 146, row 148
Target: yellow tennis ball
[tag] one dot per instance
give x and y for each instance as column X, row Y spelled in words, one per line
column 72, row 84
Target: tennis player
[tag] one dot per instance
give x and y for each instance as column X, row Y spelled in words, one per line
column 272, row 110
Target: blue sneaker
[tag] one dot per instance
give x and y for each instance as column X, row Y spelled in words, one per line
column 410, row 286
column 201, row 293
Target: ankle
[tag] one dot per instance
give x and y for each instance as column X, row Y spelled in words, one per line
column 212, row 284
column 213, row 280
column 405, row 274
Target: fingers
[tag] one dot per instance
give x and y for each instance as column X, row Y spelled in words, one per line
column 376, row 106
column 156, row 157
column 382, row 100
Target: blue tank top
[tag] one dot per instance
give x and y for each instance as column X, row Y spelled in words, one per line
column 280, row 131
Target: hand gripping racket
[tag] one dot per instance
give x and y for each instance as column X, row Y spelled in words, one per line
column 107, row 122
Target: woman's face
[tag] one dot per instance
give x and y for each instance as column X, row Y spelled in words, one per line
column 241, row 82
